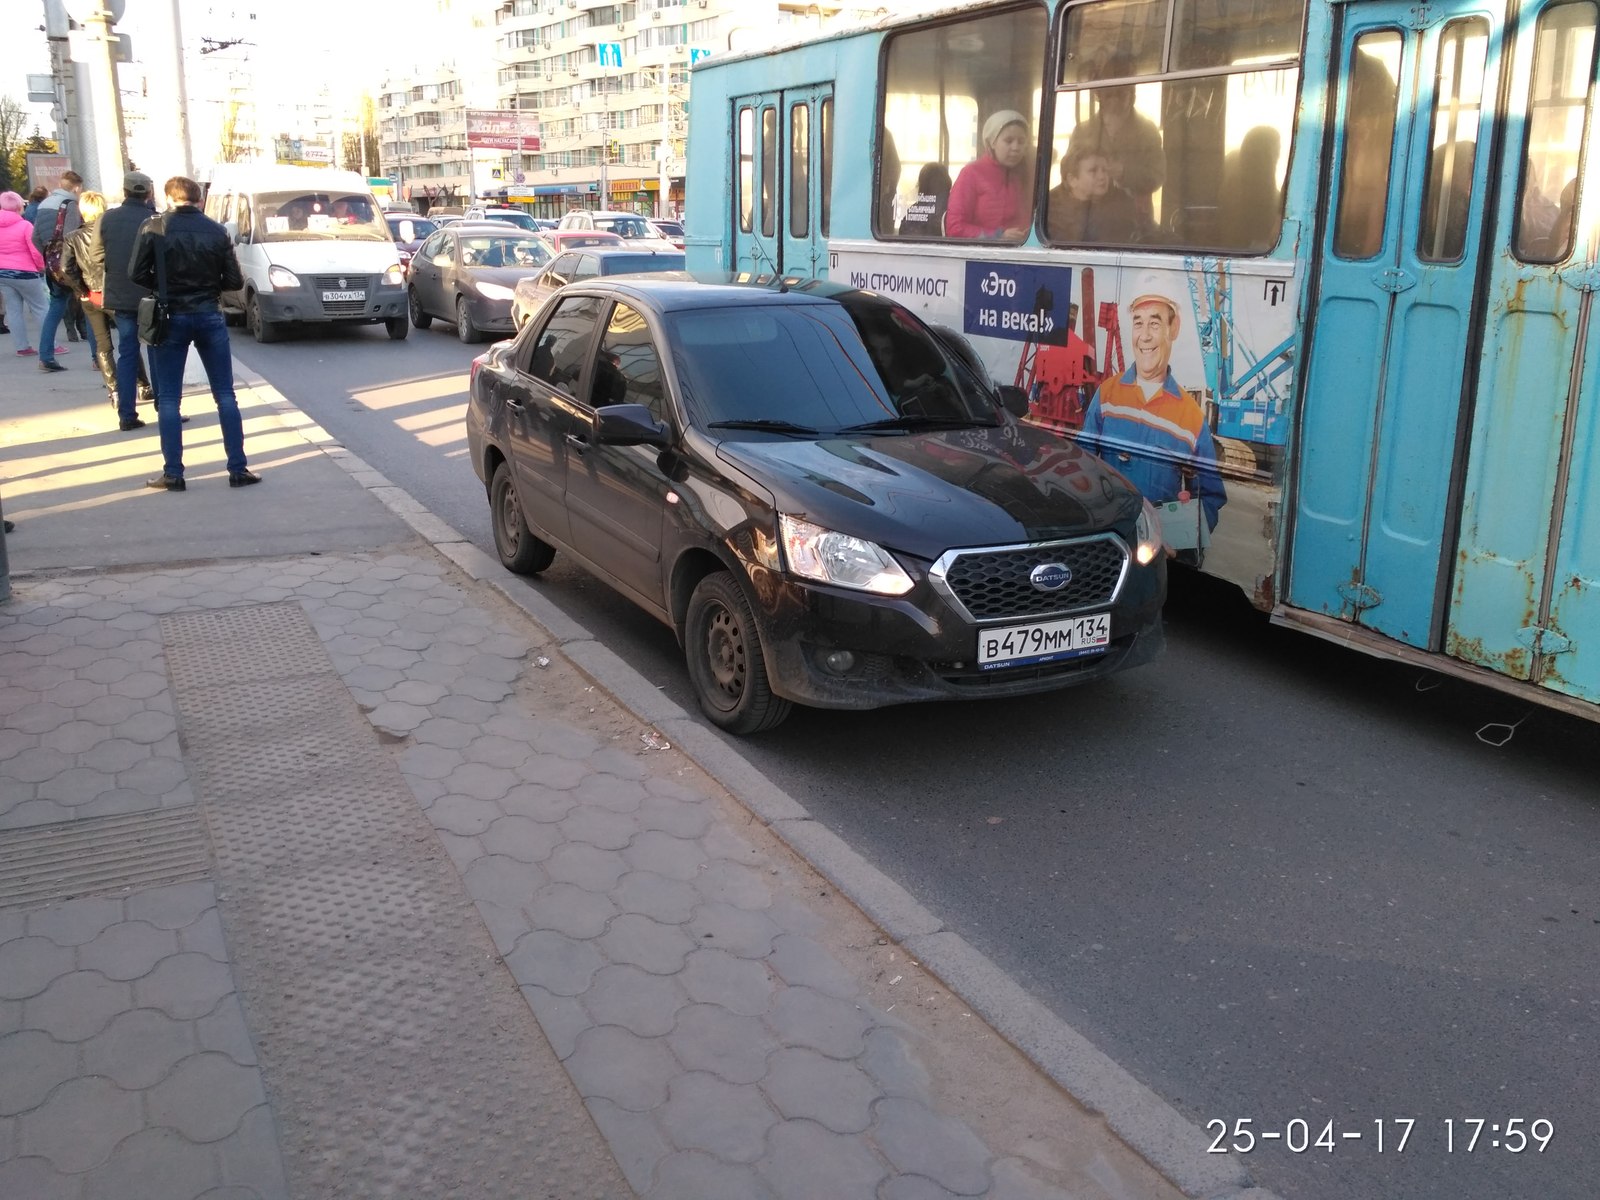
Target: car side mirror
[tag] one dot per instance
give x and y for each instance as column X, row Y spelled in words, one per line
column 1013, row 399
column 629, row 425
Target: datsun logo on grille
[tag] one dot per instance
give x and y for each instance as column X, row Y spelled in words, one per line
column 1050, row 577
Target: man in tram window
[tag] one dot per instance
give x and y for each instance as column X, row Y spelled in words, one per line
column 1130, row 140
column 1149, row 428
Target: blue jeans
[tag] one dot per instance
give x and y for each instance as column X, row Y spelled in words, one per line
column 208, row 333
column 130, row 363
column 52, row 322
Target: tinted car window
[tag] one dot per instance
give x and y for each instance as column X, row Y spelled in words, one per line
column 560, row 271
column 629, row 369
column 588, row 267
column 808, row 364
column 558, row 351
column 625, row 227
column 622, row 264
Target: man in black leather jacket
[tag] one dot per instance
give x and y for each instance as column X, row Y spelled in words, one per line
column 199, row 266
column 115, row 232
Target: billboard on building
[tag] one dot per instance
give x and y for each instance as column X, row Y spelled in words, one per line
column 45, row 169
column 502, row 129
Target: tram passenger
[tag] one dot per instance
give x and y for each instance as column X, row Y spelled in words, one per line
column 1086, row 207
column 925, row 217
column 990, row 198
column 1130, row 140
column 1253, row 202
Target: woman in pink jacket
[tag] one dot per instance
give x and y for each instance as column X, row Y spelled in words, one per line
column 21, row 272
column 991, row 198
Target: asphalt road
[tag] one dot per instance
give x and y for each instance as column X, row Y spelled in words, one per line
column 1274, row 879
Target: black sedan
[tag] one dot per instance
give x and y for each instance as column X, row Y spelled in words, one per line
column 409, row 231
column 465, row 273
column 815, row 492
column 571, row 266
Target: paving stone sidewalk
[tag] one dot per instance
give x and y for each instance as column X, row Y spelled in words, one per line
column 705, row 1011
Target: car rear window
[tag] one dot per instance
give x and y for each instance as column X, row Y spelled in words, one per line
column 630, row 264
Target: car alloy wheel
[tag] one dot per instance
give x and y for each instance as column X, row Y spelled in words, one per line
column 419, row 317
column 722, row 643
column 465, row 329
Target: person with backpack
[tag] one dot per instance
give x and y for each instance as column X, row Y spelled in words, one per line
column 56, row 220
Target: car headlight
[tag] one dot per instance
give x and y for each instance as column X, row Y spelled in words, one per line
column 395, row 275
column 494, row 291
column 1147, row 529
column 282, row 277
column 813, row 552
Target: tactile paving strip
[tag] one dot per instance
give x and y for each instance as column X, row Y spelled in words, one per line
column 401, row 1059
column 99, row 855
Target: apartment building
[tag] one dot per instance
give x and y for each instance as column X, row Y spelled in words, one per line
column 422, row 136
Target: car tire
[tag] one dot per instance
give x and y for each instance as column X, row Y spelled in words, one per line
column 398, row 328
column 465, row 329
column 519, row 549
column 263, row 330
column 419, row 316
column 722, row 644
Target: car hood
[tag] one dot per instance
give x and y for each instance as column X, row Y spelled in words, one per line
column 923, row 493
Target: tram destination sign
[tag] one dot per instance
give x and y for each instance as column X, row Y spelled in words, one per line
column 1022, row 302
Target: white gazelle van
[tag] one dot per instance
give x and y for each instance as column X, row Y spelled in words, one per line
column 313, row 248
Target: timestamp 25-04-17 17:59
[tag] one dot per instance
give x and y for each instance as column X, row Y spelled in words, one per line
column 1388, row 1135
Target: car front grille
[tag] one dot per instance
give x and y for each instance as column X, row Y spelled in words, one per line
column 343, row 283
column 994, row 584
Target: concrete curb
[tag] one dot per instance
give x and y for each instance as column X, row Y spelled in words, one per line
column 1166, row 1139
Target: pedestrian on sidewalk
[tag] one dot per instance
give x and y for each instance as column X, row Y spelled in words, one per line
column 56, row 219
column 84, row 267
column 35, row 198
column 21, row 271
column 198, row 264
column 116, row 231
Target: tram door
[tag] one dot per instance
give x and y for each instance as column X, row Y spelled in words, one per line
column 1526, row 595
column 807, row 179
column 1380, row 460
column 783, row 169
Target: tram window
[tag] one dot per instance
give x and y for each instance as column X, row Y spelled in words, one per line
column 799, row 170
column 1558, row 105
column 769, row 170
column 1143, row 155
column 1371, row 96
column 747, row 167
column 1457, row 103
column 945, row 88
column 825, row 184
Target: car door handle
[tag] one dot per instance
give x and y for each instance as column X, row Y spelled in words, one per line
column 577, row 442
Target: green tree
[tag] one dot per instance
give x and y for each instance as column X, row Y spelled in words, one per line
column 12, row 118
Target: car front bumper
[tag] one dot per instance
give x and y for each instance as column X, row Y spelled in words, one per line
column 916, row 647
column 303, row 304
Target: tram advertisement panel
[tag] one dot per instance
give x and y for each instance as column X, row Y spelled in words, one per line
column 1178, row 376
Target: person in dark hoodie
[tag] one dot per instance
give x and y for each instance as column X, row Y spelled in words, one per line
column 116, row 231
column 197, row 260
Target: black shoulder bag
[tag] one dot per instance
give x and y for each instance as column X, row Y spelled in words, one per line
column 154, row 312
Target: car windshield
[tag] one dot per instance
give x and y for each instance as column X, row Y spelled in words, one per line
column 318, row 216
column 410, row 229
column 857, row 363
column 520, row 219
column 631, row 264
column 490, row 249
column 628, row 228
column 671, row 228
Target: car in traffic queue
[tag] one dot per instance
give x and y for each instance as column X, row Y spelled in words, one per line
column 409, row 231
column 630, row 227
column 668, row 230
column 510, row 216
column 809, row 487
column 570, row 239
column 591, row 262
column 465, row 273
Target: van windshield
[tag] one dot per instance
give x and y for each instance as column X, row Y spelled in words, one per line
column 318, row 216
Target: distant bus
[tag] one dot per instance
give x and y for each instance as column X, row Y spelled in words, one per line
column 1358, row 237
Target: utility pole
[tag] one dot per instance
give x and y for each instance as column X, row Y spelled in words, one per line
column 97, row 49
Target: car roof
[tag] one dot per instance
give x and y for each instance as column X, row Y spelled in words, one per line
column 680, row 291
column 474, row 225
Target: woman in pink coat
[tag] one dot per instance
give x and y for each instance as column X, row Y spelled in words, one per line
column 21, row 272
column 990, row 199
